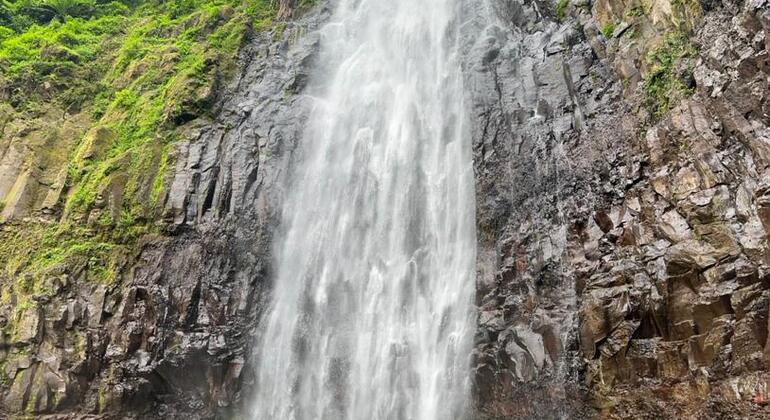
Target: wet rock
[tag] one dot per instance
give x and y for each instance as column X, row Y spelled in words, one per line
column 171, row 336
column 623, row 257
column 657, row 283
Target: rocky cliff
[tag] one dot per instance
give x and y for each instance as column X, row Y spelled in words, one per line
column 141, row 301
column 621, row 152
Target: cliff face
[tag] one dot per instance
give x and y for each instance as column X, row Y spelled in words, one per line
column 621, row 154
column 167, row 333
column 622, row 172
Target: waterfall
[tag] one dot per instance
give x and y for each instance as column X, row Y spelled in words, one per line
column 371, row 314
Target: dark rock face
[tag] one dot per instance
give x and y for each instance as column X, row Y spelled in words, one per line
column 623, row 260
column 533, row 86
column 525, row 87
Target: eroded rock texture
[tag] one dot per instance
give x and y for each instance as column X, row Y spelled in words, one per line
column 170, row 337
column 623, row 263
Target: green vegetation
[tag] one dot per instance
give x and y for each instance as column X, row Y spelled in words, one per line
column 608, row 29
column 670, row 76
column 34, row 256
column 561, row 9
column 32, row 252
column 635, row 12
column 137, row 71
column 141, row 68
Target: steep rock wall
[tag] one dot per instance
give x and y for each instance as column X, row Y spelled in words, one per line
column 170, row 336
column 622, row 271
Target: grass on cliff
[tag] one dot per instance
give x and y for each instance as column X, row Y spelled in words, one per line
column 608, row 29
column 670, row 77
column 30, row 252
column 37, row 259
column 561, row 9
column 140, row 70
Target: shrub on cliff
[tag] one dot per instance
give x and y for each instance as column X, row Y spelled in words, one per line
column 670, row 77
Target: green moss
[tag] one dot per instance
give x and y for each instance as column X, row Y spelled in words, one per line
column 228, row 38
column 262, row 13
column 140, row 70
column 305, row 4
column 608, row 29
column 32, row 252
column 5, row 380
column 561, row 9
column 670, row 76
column 161, row 76
column 159, row 184
column 101, row 398
column 59, row 57
column 635, row 12
column 12, row 328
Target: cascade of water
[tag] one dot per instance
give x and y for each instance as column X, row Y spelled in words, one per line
column 371, row 314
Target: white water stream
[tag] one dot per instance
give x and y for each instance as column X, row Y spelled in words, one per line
column 371, row 314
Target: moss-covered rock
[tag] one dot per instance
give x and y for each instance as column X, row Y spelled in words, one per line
column 94, row 100
column 670, row 75
column 632, row 30
column 92, row 106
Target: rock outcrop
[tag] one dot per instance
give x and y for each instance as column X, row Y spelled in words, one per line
column 169, row 338
column 623, row 262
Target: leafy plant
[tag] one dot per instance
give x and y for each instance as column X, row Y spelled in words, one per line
column 608, row 29
column 670, row 76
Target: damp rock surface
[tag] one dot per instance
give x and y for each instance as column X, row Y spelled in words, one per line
column 621, row 156
column 625, row 233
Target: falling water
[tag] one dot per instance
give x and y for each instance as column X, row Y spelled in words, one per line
column 371, row 314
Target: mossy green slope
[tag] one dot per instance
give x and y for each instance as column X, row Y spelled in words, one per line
column 132, row 74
